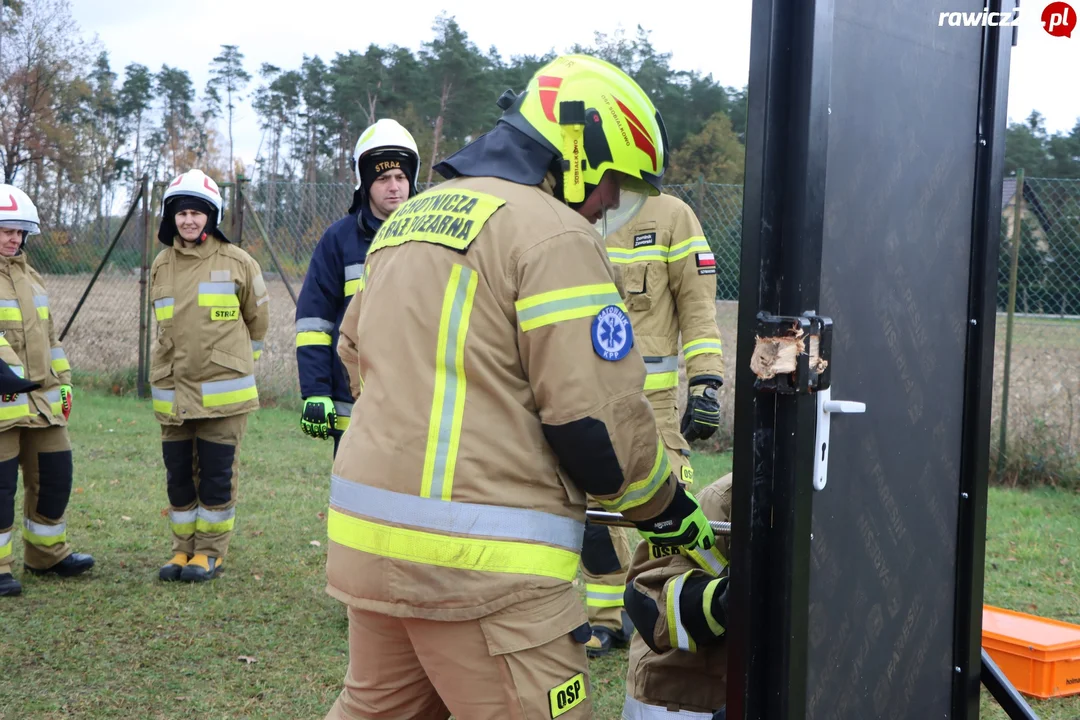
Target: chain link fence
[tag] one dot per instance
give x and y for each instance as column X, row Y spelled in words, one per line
column 280, row 224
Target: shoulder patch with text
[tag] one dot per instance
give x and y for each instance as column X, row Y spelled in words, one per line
column 452, row 218
column 612, row 334
column 706, row 263
column 569, row 695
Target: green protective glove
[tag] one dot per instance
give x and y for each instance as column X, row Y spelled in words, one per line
column 318, row 417
column 683, row 526
column 67, row 394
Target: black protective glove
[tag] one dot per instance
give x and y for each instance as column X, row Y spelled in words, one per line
column 702, row 416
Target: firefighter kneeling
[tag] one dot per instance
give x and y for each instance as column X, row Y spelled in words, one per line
column 212, row 311
column 678, row 657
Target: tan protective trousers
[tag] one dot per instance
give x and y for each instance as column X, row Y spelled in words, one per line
column 201, row 459
column 606, row 550
column 44, row 453
column 414, row 669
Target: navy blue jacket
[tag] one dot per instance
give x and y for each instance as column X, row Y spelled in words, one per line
column 332, row 279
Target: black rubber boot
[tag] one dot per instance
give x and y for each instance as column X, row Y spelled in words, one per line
column 9, row 586
column 200, row 569
column 74, row 564
column 170, row 571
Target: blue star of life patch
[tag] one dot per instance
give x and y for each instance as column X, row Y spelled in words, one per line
column 612, row 335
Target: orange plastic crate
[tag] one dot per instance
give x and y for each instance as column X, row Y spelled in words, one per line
column 1041, row 657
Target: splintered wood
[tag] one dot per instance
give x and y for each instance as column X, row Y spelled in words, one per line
column 780, row 355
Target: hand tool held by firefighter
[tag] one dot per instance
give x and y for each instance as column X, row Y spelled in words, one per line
column 572, row 125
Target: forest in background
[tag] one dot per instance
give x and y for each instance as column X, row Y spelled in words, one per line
column 76, row 132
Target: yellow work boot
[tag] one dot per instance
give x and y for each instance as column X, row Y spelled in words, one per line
column 170, row 571
column 200, row 568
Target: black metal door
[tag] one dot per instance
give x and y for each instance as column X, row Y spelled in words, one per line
column 874, row 161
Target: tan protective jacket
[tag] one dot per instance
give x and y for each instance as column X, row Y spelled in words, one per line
column 212, row 310
column 28, row 344
column 669, row 274
column 481, row 395
column 691, row 682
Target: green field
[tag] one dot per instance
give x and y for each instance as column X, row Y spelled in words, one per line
column 264, row 640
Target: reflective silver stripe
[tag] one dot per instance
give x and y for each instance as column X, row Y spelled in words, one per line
column 314, row 324
column 655, row 364
column 217, row 288
column 256, row 345
column 44, row 530
column 5, row 538
column 53, row 396
column 354, row 272
column 58, row 354
column 224, row 386
column 182, row 517
column 216, row 516
column 41, row 301
column 681, row 634
column 615, row 593
column 9, row 303
column 162, row 395
column 23, row 399
column 449, row 516
column 18, row 370
column 163, row 303
column 637, row 710
column 343, row 409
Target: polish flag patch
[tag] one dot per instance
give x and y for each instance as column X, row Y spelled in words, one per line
column 706, row 259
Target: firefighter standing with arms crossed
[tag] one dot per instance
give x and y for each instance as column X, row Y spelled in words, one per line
column 33, row 423
column 497, row 375
column 212, row 311
column 669, row 282
column 387, row 164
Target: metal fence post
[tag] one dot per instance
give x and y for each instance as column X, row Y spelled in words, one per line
column 1013, row 266
column 699, row 197
column 270, row 247
column 144, row 274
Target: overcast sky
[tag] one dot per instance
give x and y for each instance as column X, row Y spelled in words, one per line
column 1044, row 73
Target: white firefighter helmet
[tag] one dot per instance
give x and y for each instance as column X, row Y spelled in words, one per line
column 17, row 210
column 386, row 134
column 195, row 183
column 196, row 190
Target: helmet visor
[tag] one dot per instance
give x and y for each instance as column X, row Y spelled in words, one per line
column 630, row 203
column 25, row 225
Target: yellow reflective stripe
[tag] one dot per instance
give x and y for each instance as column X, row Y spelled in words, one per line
column 706, row 605
column 163, row 400
column 448, row 402
column 426, row 548
column 44, row 535
column 351, row 286
column 5, row 549
column 603, row 595
column 624, row 256
column 218, row 300
column 704, row 346
column 163, row 313
column 10, row 314
column 642, row 491
column 681, row 250
column 214, row 528
column 20, row 408
column 566, row 304
column 43, row 312
column 662, row 381
column 228, row 392
column 313, row 337
column 677, row 634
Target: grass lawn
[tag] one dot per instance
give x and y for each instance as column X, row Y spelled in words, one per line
column 264, row 640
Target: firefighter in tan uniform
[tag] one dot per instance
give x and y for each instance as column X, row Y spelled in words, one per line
column 33, row 423
column 494, row 365
column 669, row 282
column 678, row 659
column 212, row 311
